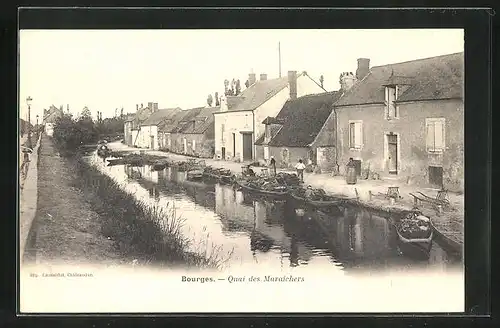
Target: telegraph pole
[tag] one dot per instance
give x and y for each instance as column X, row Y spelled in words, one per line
column 279, row 57
column 28, row 101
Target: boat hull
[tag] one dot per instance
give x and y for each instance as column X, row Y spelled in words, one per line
column 418, row 248
column 275, row 194
column 314, row 203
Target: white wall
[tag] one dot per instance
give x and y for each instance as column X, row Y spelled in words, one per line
column 234, row 123
column 145, row 134
column 242, row 121
column 49, row 129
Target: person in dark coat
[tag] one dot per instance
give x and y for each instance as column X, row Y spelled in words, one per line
column 273, row 164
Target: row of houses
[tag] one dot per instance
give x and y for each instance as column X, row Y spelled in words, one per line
column 402, row 121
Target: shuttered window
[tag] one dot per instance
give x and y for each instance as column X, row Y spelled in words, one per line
column 355, row 135
column 435, row 134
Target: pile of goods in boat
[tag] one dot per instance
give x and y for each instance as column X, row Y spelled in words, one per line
column 217, row 171
column 289, row 179
column 312, row 194
column 415, row 225
column 267, row 184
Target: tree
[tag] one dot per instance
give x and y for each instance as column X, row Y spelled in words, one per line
column 217, row 99
column 247, row 83
column 237, row 87
column 210, row 100
column 121, row 112
column 226, row 86
column 233, row 86
column 321, row 80
column 86, row 114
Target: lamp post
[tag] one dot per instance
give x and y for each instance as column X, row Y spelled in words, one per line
column 28, row 102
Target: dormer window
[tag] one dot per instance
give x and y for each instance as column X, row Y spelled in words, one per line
column 391, row 95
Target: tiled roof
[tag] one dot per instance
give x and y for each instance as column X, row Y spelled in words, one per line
column 160, row 115
column 202, row 121
column 303, row 119
column 186, row 119
column 274, row 129
column 432, row 78
column 257, row 94
column 171, row 124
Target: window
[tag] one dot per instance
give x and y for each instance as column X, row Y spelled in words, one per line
column 355, row 134
column 391, row 94
column 435, row 134
column 194, row 145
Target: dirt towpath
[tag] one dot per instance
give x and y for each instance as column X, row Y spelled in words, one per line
column 65, row 229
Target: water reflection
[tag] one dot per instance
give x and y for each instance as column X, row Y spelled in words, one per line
column 262, row 231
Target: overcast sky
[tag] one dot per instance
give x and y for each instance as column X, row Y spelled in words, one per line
column 106, row 69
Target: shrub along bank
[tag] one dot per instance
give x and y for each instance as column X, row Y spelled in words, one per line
column 150, row 234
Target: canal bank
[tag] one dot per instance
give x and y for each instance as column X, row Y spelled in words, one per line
column 83, row 218
column 449, row 225
column 269, row 233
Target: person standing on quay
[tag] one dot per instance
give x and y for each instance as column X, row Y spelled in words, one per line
column 273, row 165
column 300, row 170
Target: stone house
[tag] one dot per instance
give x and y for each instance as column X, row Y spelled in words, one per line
column 405, row 121
column 179, row 143
column 148, row 133
column 293, row 133
column 167, row 127
column 50, row 117
column 238, row 124
column 132, row 125
column 196, row 134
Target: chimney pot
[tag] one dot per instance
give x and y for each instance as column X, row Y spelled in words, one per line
column 251, row 78
column 263, row 77
column 292, row 82
column 363, row 68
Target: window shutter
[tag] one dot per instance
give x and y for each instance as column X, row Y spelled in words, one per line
column 430, row 136
column 352, row 129
column 358, row 134
column 439, row 135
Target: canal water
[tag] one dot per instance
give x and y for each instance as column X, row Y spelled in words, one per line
column 256, row 232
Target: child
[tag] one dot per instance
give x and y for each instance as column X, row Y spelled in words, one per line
column 300, row 170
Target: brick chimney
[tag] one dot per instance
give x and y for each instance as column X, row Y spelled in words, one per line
column 155, row 107
column 223, row 103
column 292, row 83
column 363, row 68
column 251, row 78
column 263, row 77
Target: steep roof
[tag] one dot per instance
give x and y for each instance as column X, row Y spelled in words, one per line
column 141, row 115
column 170, row 124
column 186, row 119
column 258, row 93
column 160, row 115
column 52, row 114
column 274, row 129
column 431, row 78
column 303, row 119
column 202, row 121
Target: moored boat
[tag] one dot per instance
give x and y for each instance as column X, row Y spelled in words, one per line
column 319, row 201
column 415, row 235
column 277, row 192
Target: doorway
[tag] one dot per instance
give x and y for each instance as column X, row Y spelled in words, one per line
column 152, row 142
column 392, row 145
column 247, row 146
column 436, row 176
column 223, row 153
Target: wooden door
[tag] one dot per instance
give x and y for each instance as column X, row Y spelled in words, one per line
column 223, row 153
column 392, row 141
column 247, row 147
column 152, row 142
column 436, row 176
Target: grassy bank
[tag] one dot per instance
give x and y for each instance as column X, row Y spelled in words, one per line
column 149, row 234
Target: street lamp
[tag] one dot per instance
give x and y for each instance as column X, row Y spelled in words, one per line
column 28, row 102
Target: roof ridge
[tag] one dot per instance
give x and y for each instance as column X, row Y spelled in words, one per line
column 419, row 59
